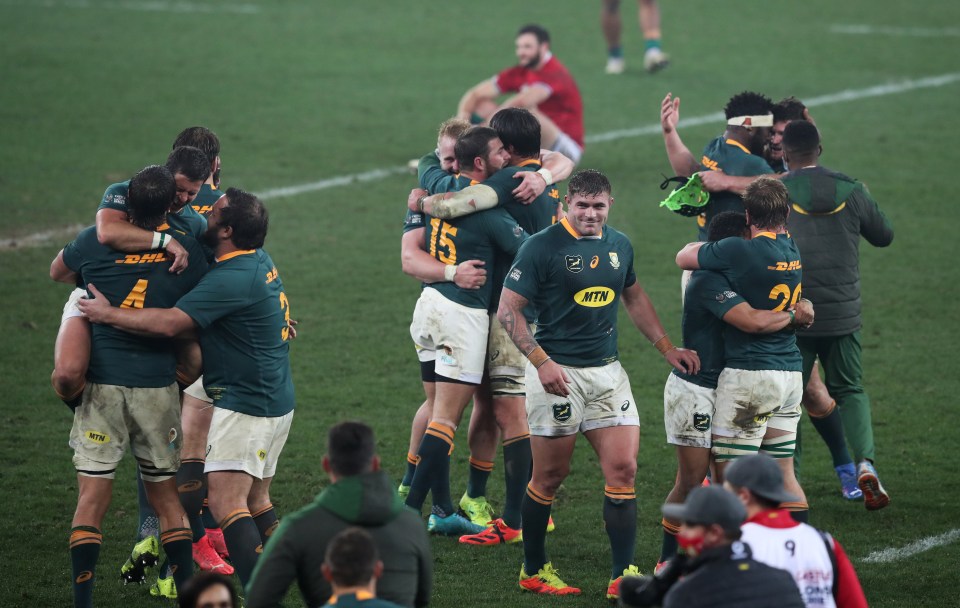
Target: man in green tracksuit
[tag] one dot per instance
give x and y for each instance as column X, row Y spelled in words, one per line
column 830, row 213
column 360, row 495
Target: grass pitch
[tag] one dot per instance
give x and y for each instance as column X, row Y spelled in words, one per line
column 301, row 92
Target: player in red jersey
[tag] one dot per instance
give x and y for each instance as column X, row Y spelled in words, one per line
column 541, row 84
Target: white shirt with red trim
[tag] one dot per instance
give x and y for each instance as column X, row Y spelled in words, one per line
column 777, row 540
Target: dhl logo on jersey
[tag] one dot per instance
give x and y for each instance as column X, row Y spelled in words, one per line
column 785, row 266
column 146, row 258
column 594, row 297
column 554, row 193
column 202, row 209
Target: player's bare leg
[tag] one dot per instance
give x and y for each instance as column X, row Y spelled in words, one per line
column 612, row 28
column 693, row 464
column 71, row 358
column 654, row 59
column 617, row 448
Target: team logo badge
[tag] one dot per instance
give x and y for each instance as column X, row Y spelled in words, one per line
column 701, row 422
column 614, row 260
column 517, row 231
column 561, row 412
column 574, row 263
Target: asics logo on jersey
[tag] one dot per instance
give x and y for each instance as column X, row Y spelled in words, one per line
column 594, row 297
column 146, row 258
column 574, row 263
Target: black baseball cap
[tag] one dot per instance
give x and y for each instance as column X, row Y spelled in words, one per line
column 761, row 475
column 708, row 506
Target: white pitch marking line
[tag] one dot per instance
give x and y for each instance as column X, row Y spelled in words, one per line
column 894, row 554
column 154, row 6
column 652, row 129
column 882, row 30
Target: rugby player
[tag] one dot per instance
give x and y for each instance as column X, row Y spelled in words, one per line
column 243, row 316
column 710, row 303
column 831, row 213
column 759, row 390
column 574, row 273
column 817, row 402
column 130, row 397
column 206, row 140
column 654, row 59
column 541, row 84
column 519, row 131
column 450, row 326
column 739, row 151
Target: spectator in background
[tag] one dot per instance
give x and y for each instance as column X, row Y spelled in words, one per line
column 352, row 566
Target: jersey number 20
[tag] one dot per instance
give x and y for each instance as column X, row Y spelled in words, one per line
column 782, row 292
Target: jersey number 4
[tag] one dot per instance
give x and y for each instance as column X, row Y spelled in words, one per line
column 136, row 296
column 782, row 292
column 441, row 235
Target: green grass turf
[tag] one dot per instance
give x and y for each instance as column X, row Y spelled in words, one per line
column 304, row 91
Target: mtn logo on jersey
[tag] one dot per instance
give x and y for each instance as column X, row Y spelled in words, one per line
column 574, row 263
column 594, row 297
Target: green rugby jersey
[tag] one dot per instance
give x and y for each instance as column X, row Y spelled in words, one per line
column 733, row 158
column 708, row 297
column 433, row 178
column 207, row 196
column 185, row 221
column 766, row 271
column 478, row 236
column 243, row 313
column 575, row 283
column 131, row 280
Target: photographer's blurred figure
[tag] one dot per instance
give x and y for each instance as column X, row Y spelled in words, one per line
column 818, row 563
column 717, row 568
column 352, row 567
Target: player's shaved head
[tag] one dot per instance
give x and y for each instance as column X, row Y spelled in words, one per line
column 727, row 224
column 767, row 203
column 588, row 182
column 351, row 448
column 190, row 162
column 247, row 216
column 152, row 191
column 801, row 139
column 519, row 130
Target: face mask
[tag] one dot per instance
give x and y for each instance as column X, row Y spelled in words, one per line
column 692, row 547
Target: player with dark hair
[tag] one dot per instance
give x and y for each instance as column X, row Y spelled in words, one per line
column 130, row 394
column 710, row 303
column 784, row 111
column 575, row 272
column 758, row 391
column 450, row 327
column 541, row 84
column 831, row 213
column 353, row 566
column 739, row 151
column 207, row 141
column 654, row 59
column 240, row 308
column 360, row 494
column 208, row 590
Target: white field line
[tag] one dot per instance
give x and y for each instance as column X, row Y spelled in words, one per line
column 880, row 90
column 151, row 6
column 894, row 554
column 883, row 30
